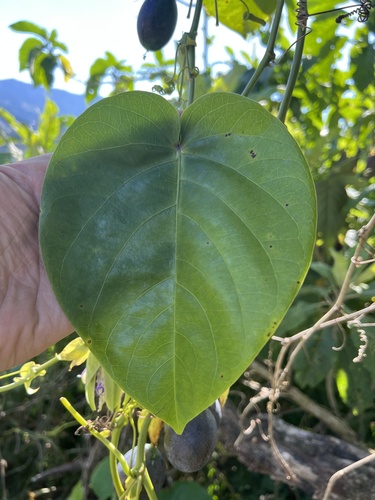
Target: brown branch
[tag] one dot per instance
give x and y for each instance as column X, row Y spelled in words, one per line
column 342, row 319
column 346, row 470
column 336, row 424
column 68, row 467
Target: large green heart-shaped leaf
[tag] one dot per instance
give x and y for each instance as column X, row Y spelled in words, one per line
column 176, row 245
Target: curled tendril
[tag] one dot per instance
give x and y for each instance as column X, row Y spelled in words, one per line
column 302, row 14
column 363, row 12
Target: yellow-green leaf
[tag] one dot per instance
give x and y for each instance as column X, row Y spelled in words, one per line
column 66, row 67
column 154, row 430
column 231, row 13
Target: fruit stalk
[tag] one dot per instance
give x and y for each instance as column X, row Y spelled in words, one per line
column 115, row 437
column 141, row 456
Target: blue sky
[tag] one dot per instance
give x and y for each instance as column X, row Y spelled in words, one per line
column 89, row 28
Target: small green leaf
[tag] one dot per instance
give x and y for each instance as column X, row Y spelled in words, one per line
column 42, row 70
column 77, row 492
column 316, row 360
column 92, row 87
column 366, row 274
column 53, row 36
column 60, row 45
column 100, row 480
column 112, row 61
column 185, row 491
column 340, row 266
column 332, row 197
column 28, row 27
column 297, row 317
column 99, row 66
column 230, row 81
column 364, row 62
column 31, row 45
column 324, row 270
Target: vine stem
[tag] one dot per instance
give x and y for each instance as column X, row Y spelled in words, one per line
column 335, row 423
column 269, row 55
column 190, row 50
column 296, row 64
column 141, row 457
column 115, row 437
column 139, row 465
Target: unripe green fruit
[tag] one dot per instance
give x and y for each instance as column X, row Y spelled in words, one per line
column 154, row 463
column 156, row 23
column 191, row 450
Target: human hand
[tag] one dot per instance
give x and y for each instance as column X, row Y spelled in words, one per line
column 31, row 320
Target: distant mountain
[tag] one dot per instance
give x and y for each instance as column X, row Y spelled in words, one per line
column 26, row 102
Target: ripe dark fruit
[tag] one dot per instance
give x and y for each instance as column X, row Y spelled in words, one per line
column 191, row 450
column 154, row 463
column 156, row 23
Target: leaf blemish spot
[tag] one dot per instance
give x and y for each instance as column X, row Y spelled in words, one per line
column 228, row 134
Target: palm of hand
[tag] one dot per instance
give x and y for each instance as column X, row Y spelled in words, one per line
column 30, row 318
